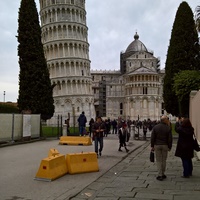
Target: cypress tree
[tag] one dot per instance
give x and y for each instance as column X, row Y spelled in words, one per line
column 35, row 90
column 182, row 54
column 184, row 82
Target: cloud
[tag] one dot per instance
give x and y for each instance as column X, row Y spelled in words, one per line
column 112, row 25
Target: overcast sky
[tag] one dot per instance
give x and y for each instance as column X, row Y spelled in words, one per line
column 112, row 25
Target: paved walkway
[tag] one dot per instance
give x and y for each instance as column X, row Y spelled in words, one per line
column 135, row 178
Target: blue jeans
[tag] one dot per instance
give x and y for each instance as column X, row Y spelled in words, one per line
column 82, row 130
column 100, row 141
column 187, row 166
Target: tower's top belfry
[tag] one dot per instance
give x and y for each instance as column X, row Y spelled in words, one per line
column 62, row 10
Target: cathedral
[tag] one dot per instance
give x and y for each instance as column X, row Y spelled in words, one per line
column 134, row 91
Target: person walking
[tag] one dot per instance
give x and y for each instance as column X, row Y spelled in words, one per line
column 184, row 148
column 67, row 124
column 98, row 131
column 82, row 120
column 91, row 123
column 144, row 131
column 107, row 125
column 161, row 143
column 123, row 137
column 114, row 127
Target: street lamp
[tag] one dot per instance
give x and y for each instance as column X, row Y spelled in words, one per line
column 4, row 96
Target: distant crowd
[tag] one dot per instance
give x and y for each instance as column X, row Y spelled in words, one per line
column 99, row 128
column 112, row 126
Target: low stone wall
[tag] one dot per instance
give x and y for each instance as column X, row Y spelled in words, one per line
column 18, row 126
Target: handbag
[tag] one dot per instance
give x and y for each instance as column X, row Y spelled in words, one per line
column 152, row 157
column 195, row 144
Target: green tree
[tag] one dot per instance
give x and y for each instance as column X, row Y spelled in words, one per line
column 35, row 90
column 184, row 82
column 182, row 54
column 8, row 108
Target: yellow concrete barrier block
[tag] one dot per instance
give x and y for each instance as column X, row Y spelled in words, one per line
column 53, row 152
column 75, row 140
column 52, row 168
column 82, row 162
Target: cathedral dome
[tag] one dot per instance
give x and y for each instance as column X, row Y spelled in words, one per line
column 136, row 45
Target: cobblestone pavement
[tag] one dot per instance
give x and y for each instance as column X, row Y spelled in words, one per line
column 135, row 178
column 20, row 163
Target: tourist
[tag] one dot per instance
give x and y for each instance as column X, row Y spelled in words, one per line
column 184, row 148
column 98, row 131
column 82, row 120
column 144, row 131
column 114, row 126
column 67, row 124
column 91, row 123
column 123, row 137
column 161, row 142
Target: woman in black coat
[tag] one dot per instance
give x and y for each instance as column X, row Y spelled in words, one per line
column 123, row 134
column 184, row 148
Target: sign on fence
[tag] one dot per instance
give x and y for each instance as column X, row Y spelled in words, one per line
column 26, row 125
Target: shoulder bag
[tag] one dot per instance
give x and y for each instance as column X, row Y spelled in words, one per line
column 195, row 144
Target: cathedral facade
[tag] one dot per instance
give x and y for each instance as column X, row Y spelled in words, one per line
column 134, row 91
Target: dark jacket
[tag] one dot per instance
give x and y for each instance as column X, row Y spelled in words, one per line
column 82, row 120
column 123, row 135
column 91, row 123
column 161, row 135
column 98, row 126
column 184, row 148
column 114, row 123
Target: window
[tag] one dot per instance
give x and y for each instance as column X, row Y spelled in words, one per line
column 144, row 90
column 121, row 108
column 103, row 78
column 144, row 103
column 59, row 86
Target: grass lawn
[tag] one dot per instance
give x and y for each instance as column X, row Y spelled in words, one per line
column 173, row 130
column 48, row 131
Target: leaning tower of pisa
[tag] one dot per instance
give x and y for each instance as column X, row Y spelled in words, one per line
column 66, row 47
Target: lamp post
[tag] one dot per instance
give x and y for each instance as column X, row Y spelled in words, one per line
column 4, row 96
